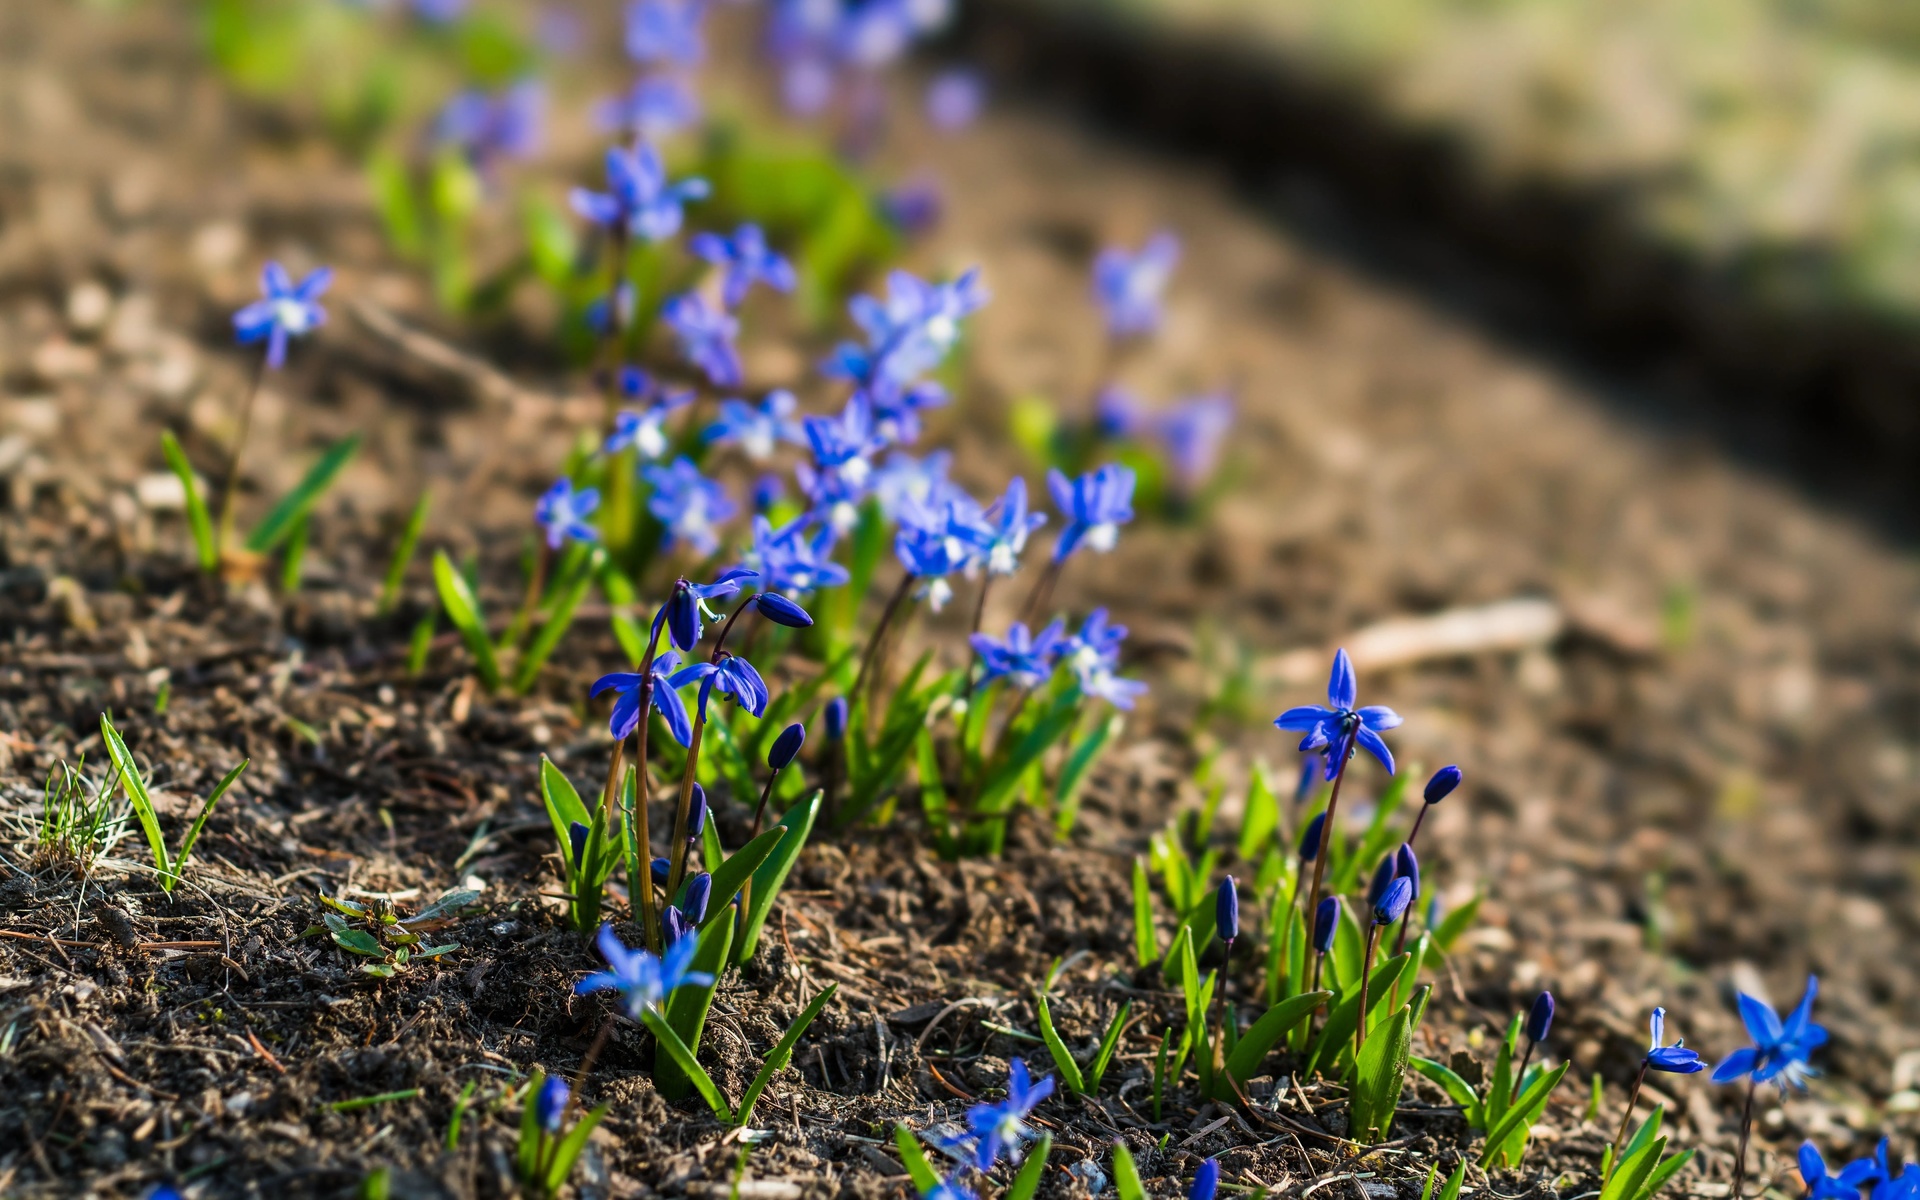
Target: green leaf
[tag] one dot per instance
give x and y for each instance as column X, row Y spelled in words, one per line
column 734, row 870
column 1146, row 947
column 358, row 941
column 1265, row 1034
column 1665, row 1171
column 1452, row 1190
column 1126, row 1177
column 403, row 553
column 393, row 199
column 200, row 822
column 529, row 1151
column 1458, row 1089
column 1456, row 923
column 782, row 1053
column 293, row 557
column 1633, row 1171
column 621, row 602
column 137, row 795
column 1027, row 1182
column 553, row 629
column 770, row 874
column 205, row 548
column 687, row 1007
column 296, row 504
column 1109, row 1042
column 448, row 905
column 568, row 1151
column 1521, row 1116
column 1062, row 1057
column 1336, row 1036
column 1380, row 1073
column 1085, row 754
column 563, row 808
column 933, row 796
column 919, row 1169
column 681, row 1059
column 464, row 611
column 1262, row 815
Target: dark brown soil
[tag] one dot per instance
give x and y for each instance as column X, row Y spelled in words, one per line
column 1708, row 782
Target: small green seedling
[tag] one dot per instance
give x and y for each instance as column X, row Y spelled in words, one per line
column 1080, row 1081
column 1509, row 1108
column 76, row 816
column 127, row 774
column 1641, row 1171
column 1381, row 1071
column 376, row 932
column 284, row 526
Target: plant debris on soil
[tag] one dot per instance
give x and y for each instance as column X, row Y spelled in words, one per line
column 1703, row 776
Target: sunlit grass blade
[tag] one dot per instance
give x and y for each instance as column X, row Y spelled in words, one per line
column 1027, row 1182
column 464, row 611
column 403, row 553
column 782, row 1053
column 1146, row 947
column 1109, row 1042
column 293, row 557
column 1062, row 1057
column 555, row 628
column 772, row 873
column 279, row 522
column 206, row 550
column 1085, row 753
column 1126, row 1176
column 918, row 1168
column 200, row 822
column 1263, row 1035
column 689, row 1067
column 137, row 794
column 622, row 601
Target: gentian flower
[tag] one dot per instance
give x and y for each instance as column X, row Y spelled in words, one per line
column 687, row 503
column 1128, row 287
column 1226, row 911
column 1094, row 505
column 654, row 107
column 706, row 336
column 758, row 431
column 733, row 677
column 747, row 259
column 286, row 311
column 551, row 1104
column 563, row 512
column 955, row 98
column 1340, row 726
column 789, row 559
column 1206, row 1181
column 643, row 981
column 1003, row 1126
column 1021, row 658
column 666, row 701
column 686, row 610
column 640, row 200
column 666, row 31
column 786, row 747
column 1780, row 1048
column 487, row 128
column 1675, row 1059
column 1393, row 902
column 1326, row 920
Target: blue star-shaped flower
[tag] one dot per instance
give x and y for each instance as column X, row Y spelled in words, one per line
column 643, row 981
column 687, row 503
column 665, row 699
column 791, row 560
column 645, row 429
column 733, row 677
column 1094, row 656
column 1340, row 726
column 999, row 537
column 910, row 332
column 747, row 259
column 488, row 127
column 1003, row 1126
column 639, row 198
column 1095, row 506
column 551, row 1104
column 930, row 556
column 286, row 311
column 1192, row 432
column 687, row 609
column 1206, row 1181
column 1128, row 287
column 1675, row 1059
column 654, row 107
column 706, row 336
column 563, row 512
column 842, row 469
column 666, row 31
column 1822, row 1186
column 757, row 429
column 1780, row 1048
column 1021, row 657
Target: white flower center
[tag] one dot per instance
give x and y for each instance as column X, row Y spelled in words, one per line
column 292, row 316
column 856, row 470
column 650, row 440
column 1103, row 537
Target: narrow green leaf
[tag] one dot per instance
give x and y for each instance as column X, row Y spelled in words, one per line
column 622, row 601
column 687, row 1007
column 205, row 548
column 552, row 630
column 1126, row 1177
column 200, row 822
column 296, row 504
column 1146, row 947
column 420, row 641
column 1665, row 1171
column 782, row 1053
column 1262, row 816
column 1062, row 1057
column 924, row 1176
column 690, row 1070
column 1456, row 923
column 563, row 808
column 568, row 1151
column 293, row 557
column 1027, row 1182
column 1085, row 753
column 1458, row 1089
column 1336, row 1036
column 464, row 611
column 1109, row 1042
column 1265, row 1034
column 1523, row 1112
column 1452, row 1190
column 734, row 870
column 137, row 795
column 1380, row 1073
column 403, row 553
column 768, row 877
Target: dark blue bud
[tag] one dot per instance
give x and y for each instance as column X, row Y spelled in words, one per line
column 1205, row 1181
column 577, row 835
column 782, row 611
column 1407, row 866
column 699, row 888
column 1383, row 875
column 1392, row 904
column 1442, row 784
column 1310, row 840
column 1326, row 919
column 551, row 1103
column 673, row 925
column 1540, row 1017
column 696, row 812
column 661, row 868
column 1226, row 910
column 1309, row 774
column 836, row 718
column 786, row 746
column 683, row 619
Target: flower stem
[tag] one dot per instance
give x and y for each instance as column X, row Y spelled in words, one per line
column 1740, row 1161
column 1626, row 1118
column 879, row 631
column 610, row 341
column 641, row 888
column 536, row 588
column 1325, row 850
column 979, row 613
column 1042, row 592
column 232, row 486
column 1366, row 969
column 677, row 867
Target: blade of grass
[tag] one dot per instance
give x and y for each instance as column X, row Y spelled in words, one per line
column 295, row 505
column 782, row 1053
column 403, row 553
column 464, row 611
column 207, row 552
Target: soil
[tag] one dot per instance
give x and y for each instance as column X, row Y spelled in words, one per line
column 1709, row 781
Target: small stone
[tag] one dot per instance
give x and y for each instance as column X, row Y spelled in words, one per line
column 161, row 491
column 89, row 305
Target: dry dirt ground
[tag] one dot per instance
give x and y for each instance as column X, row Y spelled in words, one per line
column 1707, row 780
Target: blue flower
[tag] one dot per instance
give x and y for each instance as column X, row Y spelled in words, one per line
column 645, row 429
column 1540, row 1017
column 1000, row 536
column 577, row 837
column 1117, row 413
column 955, row 98
column 1226, row 910
column 611, row 312
column 679, row 920
column 835, row 716
column 788, row 559
column 551, row 1103
column 786, row 746
column 1340, row 726
column 164, row 1191
column 1326, row 920
column 1780, row 1049
column 1020, row 657
column 286, row 311
column 1820, row 1185
column 758, row 431
column 930, row 555
column 842, row 470
column 665, row 31
column 948, row 1189
column 896, row 410
column 1095, row 506
column 706, row 336
column 686, row 610
column 748, row 260
column 1310, row 839
column 687, row 503
column 909, row 333
column 1128, row 287
column 666, row 701
column 1003, row 1126
column 733, row 677
column 914, row 491
column 639, row 199
column 489, row 127
column 654, row 107
column 1406, row 865
column 1442, row 784
column 1675, row 1059
column 1192, row 432
column 643, row 981
column 563, row 512
column 1094, row 655
column 1206, row 1181
column 1392, row 905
